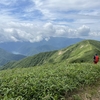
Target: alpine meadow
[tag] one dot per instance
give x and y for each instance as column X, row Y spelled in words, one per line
column 65, row 74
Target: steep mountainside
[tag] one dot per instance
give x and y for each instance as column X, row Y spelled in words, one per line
column 77, row 53
column 6, row 57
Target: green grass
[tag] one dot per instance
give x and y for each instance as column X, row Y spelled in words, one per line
column 48, row 82
column 81, row 52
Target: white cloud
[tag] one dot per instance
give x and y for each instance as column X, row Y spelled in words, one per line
column 84, row 31
column 35, row 20
column 33, row 33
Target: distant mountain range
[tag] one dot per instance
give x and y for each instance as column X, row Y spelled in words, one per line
column 77, row 53
column 6, row 57
column 29, row 49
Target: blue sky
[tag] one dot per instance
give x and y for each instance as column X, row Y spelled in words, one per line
column 35, row 20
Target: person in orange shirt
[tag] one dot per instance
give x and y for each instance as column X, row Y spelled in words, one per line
column 96, row 59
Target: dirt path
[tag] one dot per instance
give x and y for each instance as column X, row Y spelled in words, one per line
column 88, row 93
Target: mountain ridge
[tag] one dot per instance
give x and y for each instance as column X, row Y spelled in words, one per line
column 77, row 53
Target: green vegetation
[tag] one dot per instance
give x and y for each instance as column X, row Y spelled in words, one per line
column 7, row 57
column 47, row 82
column 38, row 59
column 77, row 53
column 55, row 75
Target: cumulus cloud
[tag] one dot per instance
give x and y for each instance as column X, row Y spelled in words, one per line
column 34, row 33
column 35, row 20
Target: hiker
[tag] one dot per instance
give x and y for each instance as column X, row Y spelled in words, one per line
column 96, row 59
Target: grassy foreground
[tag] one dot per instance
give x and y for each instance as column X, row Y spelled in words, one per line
column 48, row 82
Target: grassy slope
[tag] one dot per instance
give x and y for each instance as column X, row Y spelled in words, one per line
column 80, row 52
column 6, row 57
column 56, row 79
column 50, row 82
column 38, row 59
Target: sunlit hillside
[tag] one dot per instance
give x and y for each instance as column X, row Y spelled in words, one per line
column 78, row 53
